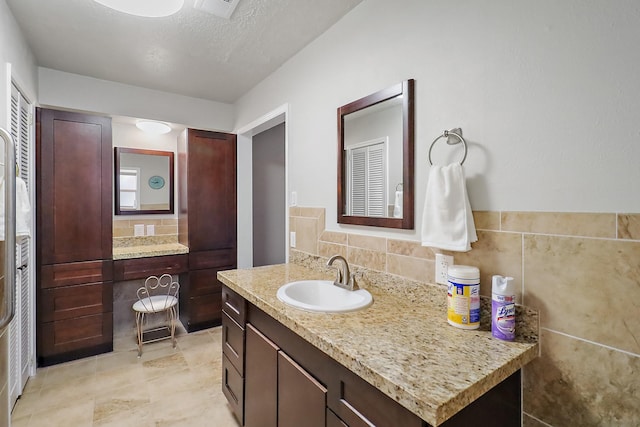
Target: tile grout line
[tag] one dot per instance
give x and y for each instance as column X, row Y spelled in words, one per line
column 608, row 347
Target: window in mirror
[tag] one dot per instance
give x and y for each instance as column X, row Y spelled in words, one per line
column 375, row 162
column 143, row 181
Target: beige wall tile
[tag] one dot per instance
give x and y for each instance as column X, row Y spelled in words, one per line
column 334, row 237
column 122, row 232
column 173, row 221
column 294, row 211
column 575, row 383
column 311, row 212
column 307, row 235
column 494, row 253
column 629, row 226
column 292, row 223
column 166, row 229
column 367, row 258
column 568, row 224
column 321, row 223
column 409, row 248
column 585, row 287
column 412, row 268
column 327, row 250
column 378, row 244
column 486, row 220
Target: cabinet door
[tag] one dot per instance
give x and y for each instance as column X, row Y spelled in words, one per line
column 302, row 400
column 74, row 187
column 211, row 170
column 261, row 380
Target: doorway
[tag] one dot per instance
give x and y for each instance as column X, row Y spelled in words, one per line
column 263, row 219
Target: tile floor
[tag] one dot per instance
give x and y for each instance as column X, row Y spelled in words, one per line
column 165, row 387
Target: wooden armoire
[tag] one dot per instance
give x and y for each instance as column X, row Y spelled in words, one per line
column 74, row 236
column 206, row 222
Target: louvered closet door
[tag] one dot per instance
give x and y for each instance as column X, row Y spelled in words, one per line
column 21, row 352
column 367, row 180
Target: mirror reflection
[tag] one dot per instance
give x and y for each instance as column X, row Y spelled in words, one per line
column 375, row 171
column 143, row 181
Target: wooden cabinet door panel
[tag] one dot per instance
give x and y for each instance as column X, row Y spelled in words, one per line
column 233, row 342
column 301, row 399
column 205, row 309
column 333, row 420
column 233, row 388
column 204, row 282
column 74, row 187
column 261, row 380
column 68, row 335
column 75, row 273
column 211, row 168
column 76, row 301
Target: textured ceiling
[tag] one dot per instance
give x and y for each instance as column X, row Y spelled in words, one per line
column 191, row 53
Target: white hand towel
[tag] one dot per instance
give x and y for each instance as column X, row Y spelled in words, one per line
column 447, row 221
column 397, row 205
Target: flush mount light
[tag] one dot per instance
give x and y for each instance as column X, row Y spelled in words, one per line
column 146, row 8
column 154, row 128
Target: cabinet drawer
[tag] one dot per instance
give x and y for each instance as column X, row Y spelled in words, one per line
column 141, row 268
column 233, row 388
column 204, row 282
column 333, row 420
column 75, row 301
column 233, row 342
column 69, row 335
column 302, row 400
column 221, row 259
column 360, row 404
column 234, row 305
column 75, row 273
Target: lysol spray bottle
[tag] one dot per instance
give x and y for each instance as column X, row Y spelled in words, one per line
column 503, row 308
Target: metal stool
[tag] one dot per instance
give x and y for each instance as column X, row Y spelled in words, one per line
column 157, row 295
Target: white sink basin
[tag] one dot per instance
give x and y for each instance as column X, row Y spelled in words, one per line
column 323, row 296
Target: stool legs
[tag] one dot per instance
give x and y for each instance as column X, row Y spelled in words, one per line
column 139, row 322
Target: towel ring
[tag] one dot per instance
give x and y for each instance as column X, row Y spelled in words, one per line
column 447, row 134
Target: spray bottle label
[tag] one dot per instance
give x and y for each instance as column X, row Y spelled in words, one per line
column 503, row 317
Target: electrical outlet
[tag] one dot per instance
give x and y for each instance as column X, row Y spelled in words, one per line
column 442, row 264
column 294, row 198
column 292, row 239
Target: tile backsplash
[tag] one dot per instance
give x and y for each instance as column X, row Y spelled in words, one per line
column 125, row 227
column 580, row 270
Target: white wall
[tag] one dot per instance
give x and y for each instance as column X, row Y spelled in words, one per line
column 14, row 50
column 73, row 91
column 546, row 92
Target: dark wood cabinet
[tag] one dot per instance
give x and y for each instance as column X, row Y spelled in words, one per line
column 302, row 400
column 289, row 382
column 206, row 222
column 141, row 268
column 261, row 380
column 233, row 351
column 73, row 245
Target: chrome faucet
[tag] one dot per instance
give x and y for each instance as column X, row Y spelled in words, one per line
column 344, row 279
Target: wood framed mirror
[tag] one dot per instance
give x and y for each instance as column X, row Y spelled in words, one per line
column 143, row 181
column 376, row 159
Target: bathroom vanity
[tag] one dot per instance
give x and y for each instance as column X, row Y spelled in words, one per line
column 394, row 363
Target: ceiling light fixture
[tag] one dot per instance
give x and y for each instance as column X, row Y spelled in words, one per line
column 154, row 128
column 146, row 8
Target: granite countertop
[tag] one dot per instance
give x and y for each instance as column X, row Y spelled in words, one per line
column 402, row 344
column 144, row 247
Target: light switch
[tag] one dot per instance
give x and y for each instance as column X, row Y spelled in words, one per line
column 151, row 230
